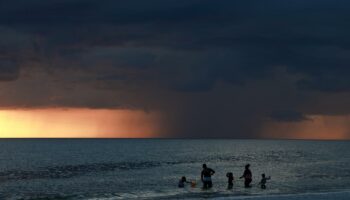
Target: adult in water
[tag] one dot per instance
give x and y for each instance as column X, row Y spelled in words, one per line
column 206, row 177
column 247, row 175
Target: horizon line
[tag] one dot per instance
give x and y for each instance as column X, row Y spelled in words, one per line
column 172, row 138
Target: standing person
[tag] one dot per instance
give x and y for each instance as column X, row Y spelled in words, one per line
column 247, row 175
column 206, row 177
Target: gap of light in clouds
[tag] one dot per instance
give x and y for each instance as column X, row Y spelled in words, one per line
column 77, row 122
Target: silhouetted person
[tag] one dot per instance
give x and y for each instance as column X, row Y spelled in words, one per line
column 206, row 176
column 230, row 179
column 247, row 175
column 182, row 182
column 263, row 181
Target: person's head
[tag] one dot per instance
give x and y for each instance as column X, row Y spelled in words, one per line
column 247, row 166
column 204, row 166
column 183, row 179
column 229, row 174
column 263, row 175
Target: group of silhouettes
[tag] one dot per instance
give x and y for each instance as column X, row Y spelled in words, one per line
column 208, row 172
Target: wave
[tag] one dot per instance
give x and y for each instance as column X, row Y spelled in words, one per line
column 343, row 195
column 68, row 171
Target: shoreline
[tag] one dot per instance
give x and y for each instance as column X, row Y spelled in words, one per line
column 336, row 195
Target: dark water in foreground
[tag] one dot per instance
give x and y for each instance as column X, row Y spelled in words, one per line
column 150, row 169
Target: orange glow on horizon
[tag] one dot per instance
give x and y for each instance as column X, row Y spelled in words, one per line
column 319, row 127
column 77, row 123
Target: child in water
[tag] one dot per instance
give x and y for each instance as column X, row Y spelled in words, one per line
column 182, row 182
column 230, row 179
column 263, row 181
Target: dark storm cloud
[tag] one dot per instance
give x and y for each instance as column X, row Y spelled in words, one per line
column 12, row 45
column 8, row 70
column 288, row 116
column 210, row 66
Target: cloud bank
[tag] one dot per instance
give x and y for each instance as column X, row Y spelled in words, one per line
column 213, row 68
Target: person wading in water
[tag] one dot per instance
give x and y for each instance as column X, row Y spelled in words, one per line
column 263, row 181
column 206, row 177
column 247, row 175
column 230, row 179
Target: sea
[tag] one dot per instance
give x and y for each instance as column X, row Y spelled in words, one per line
column 107, row 169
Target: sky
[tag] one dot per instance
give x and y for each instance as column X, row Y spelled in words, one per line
column 175, row 68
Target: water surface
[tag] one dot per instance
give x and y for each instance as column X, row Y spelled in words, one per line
column 151, row 168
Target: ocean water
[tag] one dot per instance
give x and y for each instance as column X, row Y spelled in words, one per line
column 150, row 168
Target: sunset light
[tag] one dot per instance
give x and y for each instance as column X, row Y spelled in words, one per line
column 191, row 99
column 70, row 123
column 317, row 127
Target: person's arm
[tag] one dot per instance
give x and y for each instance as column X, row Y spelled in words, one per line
column 202, row 176
column 244, row 173
column 268, row 178
column 212, row 172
